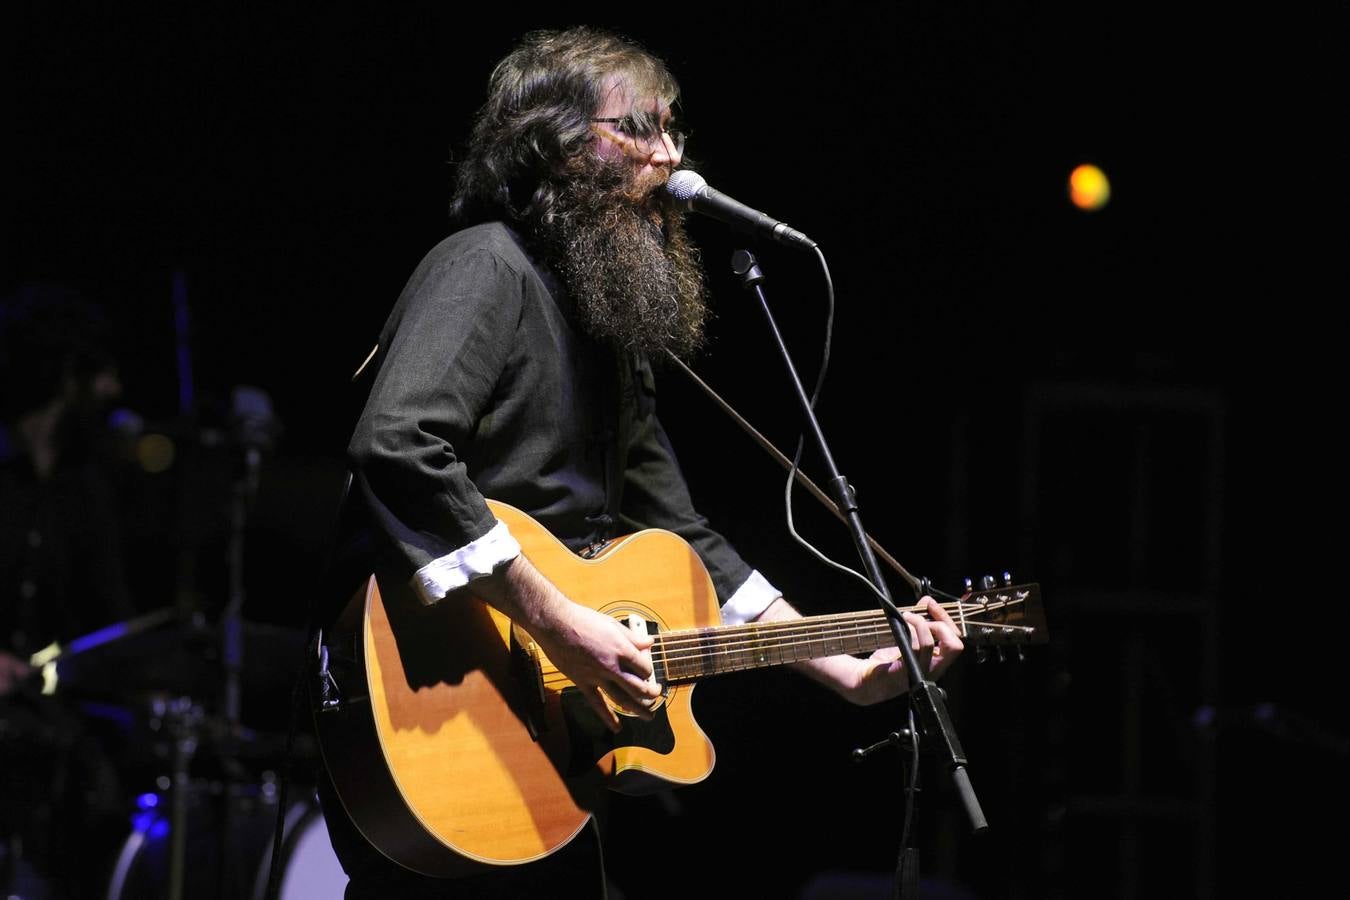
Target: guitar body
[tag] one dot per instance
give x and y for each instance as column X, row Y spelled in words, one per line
column 457, row 746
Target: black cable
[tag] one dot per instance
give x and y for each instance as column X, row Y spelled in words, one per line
column 297, row 699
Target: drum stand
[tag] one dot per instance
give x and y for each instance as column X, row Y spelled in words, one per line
column 183, row 720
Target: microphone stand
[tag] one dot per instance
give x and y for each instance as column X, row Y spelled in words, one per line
column 253, row 427
column 927, row 700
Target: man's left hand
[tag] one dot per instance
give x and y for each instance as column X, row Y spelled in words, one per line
column 936, row 644
column 935, row 640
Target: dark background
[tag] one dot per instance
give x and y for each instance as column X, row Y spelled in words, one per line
column 1130, row 407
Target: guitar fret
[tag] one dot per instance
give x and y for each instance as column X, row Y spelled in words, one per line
column 707, row 658
column 732, row 659
column 739, row 657
column 774, row 656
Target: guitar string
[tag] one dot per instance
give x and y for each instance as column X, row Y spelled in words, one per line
column 733, row 654
column 676, row 648
column 672, row 640
column 842, row 631
column 858, row 632
column 963, row 606
column 857, row 635
column 778, row 629
column 789, row 634
column 716, row 662
column 751, row 638
column 677, row 639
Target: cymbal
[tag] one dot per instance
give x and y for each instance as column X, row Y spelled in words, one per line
column 162, row 653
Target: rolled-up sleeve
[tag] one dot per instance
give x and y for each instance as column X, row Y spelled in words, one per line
column 440, row 357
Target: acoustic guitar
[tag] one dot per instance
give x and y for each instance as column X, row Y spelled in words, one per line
column 454, row 743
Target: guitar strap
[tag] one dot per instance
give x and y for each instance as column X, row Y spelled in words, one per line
column 802, row 478
column 632, row 403
column 620, row 402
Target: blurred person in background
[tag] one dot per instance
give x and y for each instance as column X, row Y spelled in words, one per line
column 61, row 575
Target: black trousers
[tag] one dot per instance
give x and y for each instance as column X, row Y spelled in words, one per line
column 575, row 871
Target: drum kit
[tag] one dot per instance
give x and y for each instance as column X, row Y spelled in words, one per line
column 206, row 793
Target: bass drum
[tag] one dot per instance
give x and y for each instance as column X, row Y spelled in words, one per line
column 309, row 867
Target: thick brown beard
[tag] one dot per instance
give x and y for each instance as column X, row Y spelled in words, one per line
column 621, row 250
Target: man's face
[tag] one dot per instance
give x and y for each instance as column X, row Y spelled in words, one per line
column 619, row 139
column 616, row 239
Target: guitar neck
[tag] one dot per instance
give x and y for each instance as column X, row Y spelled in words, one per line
column 1001, row 616
column 683, row 656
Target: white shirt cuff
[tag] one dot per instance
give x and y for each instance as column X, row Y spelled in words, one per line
column 750, row 600
column 458, row 567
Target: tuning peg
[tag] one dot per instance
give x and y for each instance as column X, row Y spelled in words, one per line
column 970, row 586
column 1002, row 657
column 1007, row 579
column 981, row 654
column 1021, row 654
column 987, row 582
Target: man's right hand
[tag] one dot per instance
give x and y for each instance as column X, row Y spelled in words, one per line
column 592, row 649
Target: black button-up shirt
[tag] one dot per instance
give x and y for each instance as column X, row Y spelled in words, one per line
column 485, row 386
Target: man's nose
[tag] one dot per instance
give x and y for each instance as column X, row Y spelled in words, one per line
column 664, row 152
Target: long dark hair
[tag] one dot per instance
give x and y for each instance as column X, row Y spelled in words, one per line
column 536, row 122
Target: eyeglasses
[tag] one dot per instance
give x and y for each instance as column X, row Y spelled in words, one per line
column 646, row 136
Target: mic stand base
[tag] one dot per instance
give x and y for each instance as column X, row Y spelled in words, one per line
column 907, row 875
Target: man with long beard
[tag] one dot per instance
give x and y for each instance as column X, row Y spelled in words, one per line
column 517, row 365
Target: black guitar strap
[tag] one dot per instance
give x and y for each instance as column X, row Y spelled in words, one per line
column 782, row 458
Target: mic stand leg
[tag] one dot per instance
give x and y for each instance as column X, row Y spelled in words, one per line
column 232, row 646
column 907, row 875
column 184, row 718
column 232, row 641
column 906, row 883
column 926, row 698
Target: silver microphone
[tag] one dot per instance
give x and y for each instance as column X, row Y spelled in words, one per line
column 691, row 191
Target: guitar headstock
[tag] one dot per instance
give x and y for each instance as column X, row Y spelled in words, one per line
column 1002, row 616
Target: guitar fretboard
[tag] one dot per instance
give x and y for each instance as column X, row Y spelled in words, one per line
column 691, row 654
column 681, row 656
